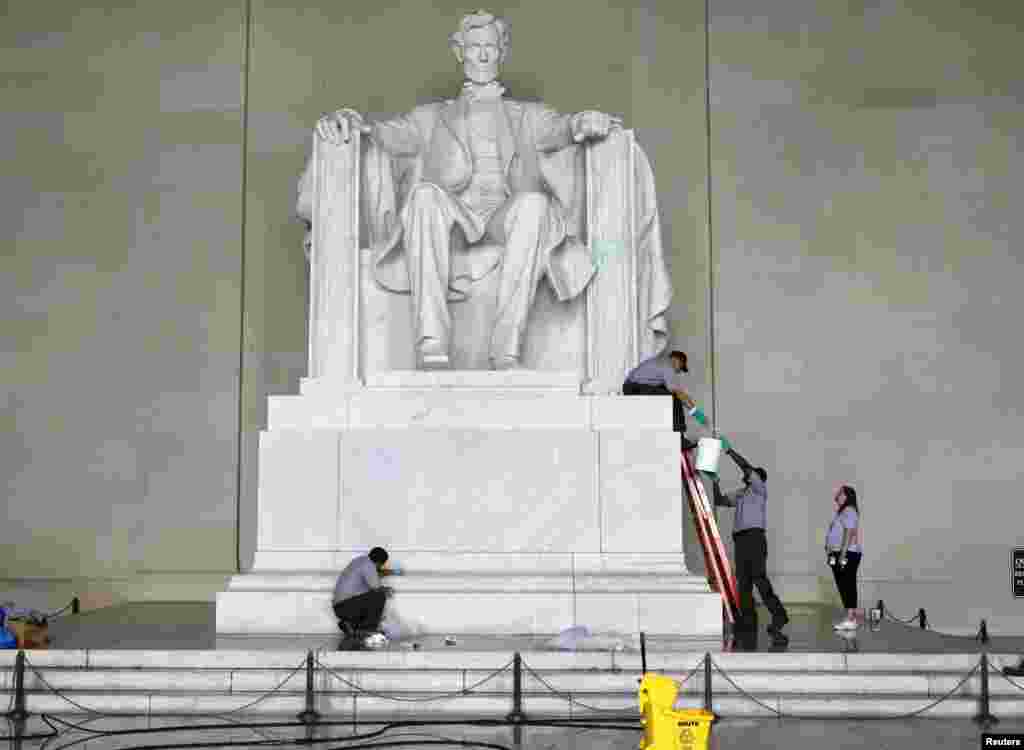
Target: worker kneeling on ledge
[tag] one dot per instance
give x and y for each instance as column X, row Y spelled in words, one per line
column 359, row 597
column 653, row 378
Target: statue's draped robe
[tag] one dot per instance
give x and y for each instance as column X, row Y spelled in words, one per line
column 429, row 145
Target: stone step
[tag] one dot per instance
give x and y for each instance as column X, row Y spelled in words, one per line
column 444, row 681
column 192, row 682
column 512, row 409
column 510, row 603
column 400, row 659
column 498, row 705
column 468, row 380
column 501, row 381
column 317, row 570
column 480, row 583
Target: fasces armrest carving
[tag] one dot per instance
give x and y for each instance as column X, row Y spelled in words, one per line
column 334, row 261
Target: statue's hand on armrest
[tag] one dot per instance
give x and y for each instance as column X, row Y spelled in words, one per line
column 593, row 125
column 337, row 127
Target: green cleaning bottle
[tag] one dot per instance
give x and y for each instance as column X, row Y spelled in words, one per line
column 698, row 415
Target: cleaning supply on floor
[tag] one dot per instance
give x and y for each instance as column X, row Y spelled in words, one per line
column 7, row 639
column 570, row 638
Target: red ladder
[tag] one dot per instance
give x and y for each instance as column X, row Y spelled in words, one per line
column 716, row 561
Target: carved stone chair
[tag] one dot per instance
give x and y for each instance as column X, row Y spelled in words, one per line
column 358, row 328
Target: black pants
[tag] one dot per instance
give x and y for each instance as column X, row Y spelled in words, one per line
column 846, row 579
column 751, row 552
column 362, row 612
column 678, row 412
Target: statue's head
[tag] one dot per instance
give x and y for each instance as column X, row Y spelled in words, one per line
column 481, row 45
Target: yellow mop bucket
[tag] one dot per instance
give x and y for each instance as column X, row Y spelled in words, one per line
column 666, row 728
column 694, row 728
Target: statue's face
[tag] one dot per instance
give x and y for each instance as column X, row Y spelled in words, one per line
column 481, row 59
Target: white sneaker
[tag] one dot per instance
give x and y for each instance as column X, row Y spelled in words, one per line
column 846, row 624
column 375, row 641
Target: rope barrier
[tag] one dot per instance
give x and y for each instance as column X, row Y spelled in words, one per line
column 94, row 712
column 73, row 605
column 910, row 715
column 349, row 742
column 275, row 690
column 703, row 663
column 921, row 617
column 428, row 699
column 36, row 617
column 903, row 621
column 14, row 734
column 568, row 696
column 231, row 723
column 1000, row 667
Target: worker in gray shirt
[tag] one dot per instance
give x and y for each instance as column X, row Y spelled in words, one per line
column 750, row 549
column 359, row 596
column 653, row 377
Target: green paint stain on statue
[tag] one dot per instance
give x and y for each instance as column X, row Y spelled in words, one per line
column 601, row 251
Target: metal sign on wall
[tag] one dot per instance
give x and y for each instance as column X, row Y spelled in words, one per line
column 1017, row 572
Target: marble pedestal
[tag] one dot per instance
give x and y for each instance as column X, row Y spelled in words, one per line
column 513, row 503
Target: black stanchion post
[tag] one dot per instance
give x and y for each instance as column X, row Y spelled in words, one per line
column 18, row 738
column 707, row 681
column 984, row 716
column 517, row 715
column 76, row 606
column 922, row 618
column 983, row 632
column 310, row 715
column 881, row 610
column 643, row 653
column 19, row 712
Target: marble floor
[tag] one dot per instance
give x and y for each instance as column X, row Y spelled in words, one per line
column 192, row 626
column 124, row 733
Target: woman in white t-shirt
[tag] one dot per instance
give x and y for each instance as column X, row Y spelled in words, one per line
column 843, row 550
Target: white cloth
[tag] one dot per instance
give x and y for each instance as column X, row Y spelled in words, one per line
column 395, row 626
column 580, row 638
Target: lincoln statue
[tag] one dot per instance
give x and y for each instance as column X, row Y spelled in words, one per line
column 480, row 170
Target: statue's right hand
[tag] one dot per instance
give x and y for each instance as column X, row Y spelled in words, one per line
column 337, row 127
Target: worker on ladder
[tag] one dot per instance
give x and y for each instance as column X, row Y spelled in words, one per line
column 750, row 548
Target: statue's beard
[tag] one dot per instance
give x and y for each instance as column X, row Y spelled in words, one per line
column 481, row 75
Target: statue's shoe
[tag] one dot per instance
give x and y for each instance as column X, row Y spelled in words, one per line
column 506, row 363
column 433, row 356
column 435, row 362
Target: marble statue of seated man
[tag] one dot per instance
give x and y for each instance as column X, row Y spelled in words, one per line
column 487, row 167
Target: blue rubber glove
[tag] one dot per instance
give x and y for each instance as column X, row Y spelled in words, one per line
column 697, row 414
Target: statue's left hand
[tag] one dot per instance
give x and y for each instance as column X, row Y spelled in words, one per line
column 591, row 124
